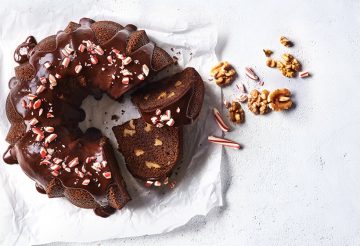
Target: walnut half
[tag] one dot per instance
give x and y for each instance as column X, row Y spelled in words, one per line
column 236, row 113
column 223, row 73
column 257, row 102
column 280, row 99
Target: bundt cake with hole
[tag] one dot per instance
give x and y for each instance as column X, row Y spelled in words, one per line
column 150, row 152
column 173, row 101
column 43, row 107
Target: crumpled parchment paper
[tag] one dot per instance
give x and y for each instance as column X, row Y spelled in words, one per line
column 28, row 217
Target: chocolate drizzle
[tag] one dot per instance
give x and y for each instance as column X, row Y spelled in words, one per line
column 53, row 146
column 23, row 51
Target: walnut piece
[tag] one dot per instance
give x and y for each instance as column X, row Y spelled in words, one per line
column 148, row 127
column 150, row 164
column 289, row 66
column 171, row 94
column 267, row 52
column 131, row 124
column 280, row 99
column 270, row 62
column 138, row 152
column 128, row 132
column 162, row 95
column 257, row 102
column 158, row 142
column 223, row 73
column 236, row 113
column 286, row 42
column 178, row 83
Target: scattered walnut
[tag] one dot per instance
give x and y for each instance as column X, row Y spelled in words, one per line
column 131, row 124
column 148, row 127
column 150, row 164
column 223, row 73
column 286, row 42
column 171, row 94
column 128, row 132
column 236, row 113
column 158, row 142
column 289, row 66
column 270, row 62
column 267, row 52
column 162, row 95
column 280, row 99
column 257, row 102
column 138, row 152
column 178, row 83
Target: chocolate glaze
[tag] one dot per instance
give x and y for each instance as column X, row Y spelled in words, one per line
column 22, row 52
column 104, row 211
column 61, row 102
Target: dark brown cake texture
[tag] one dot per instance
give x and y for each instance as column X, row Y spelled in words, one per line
column 43, row 107
column 173, row 101
column 150, row 153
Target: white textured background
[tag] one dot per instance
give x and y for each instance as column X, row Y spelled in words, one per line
column 296, row 182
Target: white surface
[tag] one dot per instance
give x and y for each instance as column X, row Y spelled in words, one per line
column 296, row 181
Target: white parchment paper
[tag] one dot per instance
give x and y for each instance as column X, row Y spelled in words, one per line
column 27, row 217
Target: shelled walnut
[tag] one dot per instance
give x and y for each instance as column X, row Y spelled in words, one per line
column 286, row 42
column 257, row 102
column 223, row 73
column 289, row 66
column 280, row 99
column 236, row 113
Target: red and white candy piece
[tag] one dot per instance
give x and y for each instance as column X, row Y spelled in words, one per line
column 99, row 50
column 39, row 137
column 31, row 96
column 225, row 142
column 85, row 182
column 40, row 89
column 58, row 161
column 157, row 111
column 52, row 80
column 43, row 152
column 43, row 80
column 177, row 110
column 55, row 167
column 37, row 131
column 74, row 162
column 78, row 68
column 141, row 77
column 33, row 122
column 49, row 115
column 304, row 74
column 89, row 159
column 220, row 121
column 251, row 74
column 47, row 65
column 50, row 138
column 170, row 122
column 107, row 175
column 157, row 183
column 125, row 80
column 149, row 183
column 64, row 52
column 145, row 69
column 55, row 173
column 37, row 104
column 81, row 48
column 127, row 60
column 45, row 162
column 49, row 129
column 109, row 59
column 154, row 120
column 94, row 60
column 65, row 62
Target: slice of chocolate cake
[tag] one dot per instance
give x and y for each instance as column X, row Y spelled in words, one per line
column 173, row 101
column 150, row 153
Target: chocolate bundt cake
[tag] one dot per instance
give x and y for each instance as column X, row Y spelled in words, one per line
column 43, row 107
column 150, row 152
column 173, row 101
